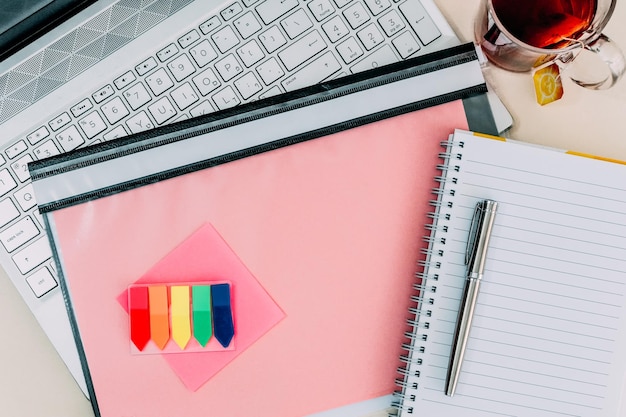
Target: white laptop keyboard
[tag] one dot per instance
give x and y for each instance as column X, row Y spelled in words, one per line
column 246, row 50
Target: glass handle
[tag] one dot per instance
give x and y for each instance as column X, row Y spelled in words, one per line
column 611, row 57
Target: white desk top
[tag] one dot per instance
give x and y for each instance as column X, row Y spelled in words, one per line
column 34, row 381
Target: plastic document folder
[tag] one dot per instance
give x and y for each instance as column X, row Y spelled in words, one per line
column 309, row 205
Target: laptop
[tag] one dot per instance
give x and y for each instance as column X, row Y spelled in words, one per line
column 75, row 73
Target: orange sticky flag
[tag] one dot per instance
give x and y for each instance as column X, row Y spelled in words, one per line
column 159, row 315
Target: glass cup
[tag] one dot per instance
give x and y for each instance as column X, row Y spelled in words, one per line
column 521, row 35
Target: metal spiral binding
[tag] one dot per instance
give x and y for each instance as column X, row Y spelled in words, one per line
column 427, row 276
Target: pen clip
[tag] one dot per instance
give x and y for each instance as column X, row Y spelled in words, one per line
column 471, row 238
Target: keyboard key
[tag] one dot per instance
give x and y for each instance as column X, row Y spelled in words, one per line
column 137, row 96
column 272, row 39
column 21, row 232
column 271, row 10
column 391, row 23
column 184, row 96
column 92, row 124
column 248, row 85
column 420, row 21
column 81, row 108
column 114, row 110
column 16, row 149
column 59, row 121
column 318, row 70
column 46, row 150
column 210, row 25
column 270, row 71
column 7, row 183
column 228, row 67
column 296, row 23
column 203, row 53
column 225, row 39
column 167, row 52
column 25, row 197
column 377, row 6
column 188, row 39
column 70, row 138
column 335, row 29
column 8, row 212
column 125, row 80
column 302, row 50
column 162, row 110
column 321, row 9
column 203, row 108
column 33, row 255
column 250, row 53
column 206, row 81
column 406, row 44
column 382, row 56
column 370, row 36
column 231, row 11
column 38, row 135
column 181, row 67
column 356, row 15
column 159, row 81
column 247, row 25
column 117, row 132
column 103, row 93
column 139, row 122
column 20, row 167
column 146, row 66
column 41, row 282
column 226, row 98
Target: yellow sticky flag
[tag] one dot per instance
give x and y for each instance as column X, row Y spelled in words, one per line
column 180, row 315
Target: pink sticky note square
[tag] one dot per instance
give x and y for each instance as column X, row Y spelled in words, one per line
column 205, row 256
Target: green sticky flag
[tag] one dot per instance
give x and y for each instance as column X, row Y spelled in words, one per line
column 201, row 310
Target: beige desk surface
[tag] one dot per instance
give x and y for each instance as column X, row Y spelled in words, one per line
column 34, row 381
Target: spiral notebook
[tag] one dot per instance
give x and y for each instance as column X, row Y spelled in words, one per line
column 549, row 331
column 307, row 203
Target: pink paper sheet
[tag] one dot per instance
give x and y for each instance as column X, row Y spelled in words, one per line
column 331, row 228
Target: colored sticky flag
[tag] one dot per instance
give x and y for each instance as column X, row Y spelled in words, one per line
column 180, row 317
column 222, row 314
column 159, row 315
column 201, row 311
column 139, row 316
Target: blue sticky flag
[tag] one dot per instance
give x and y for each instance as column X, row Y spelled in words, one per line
column 223, row 327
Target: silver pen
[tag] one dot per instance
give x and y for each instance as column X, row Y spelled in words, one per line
column 475, row 257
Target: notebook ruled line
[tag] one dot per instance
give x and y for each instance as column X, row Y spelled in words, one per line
column 524, row 371
column 578, row 369
column 543, row 175
column 557, row 295
column 569, row 285
column 525, row 406
column 542, row 186
column 545, row 328
column 535, row 396
column 547, row 351
column 534, row 337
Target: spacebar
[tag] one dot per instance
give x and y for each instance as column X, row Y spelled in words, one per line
column 316, row 71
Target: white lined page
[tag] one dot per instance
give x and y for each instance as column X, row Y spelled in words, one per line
column 548, row 337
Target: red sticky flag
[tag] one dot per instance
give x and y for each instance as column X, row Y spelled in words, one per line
column 139, row 316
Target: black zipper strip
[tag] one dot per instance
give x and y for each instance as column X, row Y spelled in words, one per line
column 266, row 147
